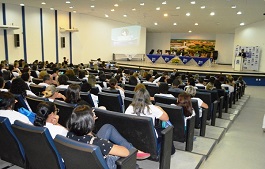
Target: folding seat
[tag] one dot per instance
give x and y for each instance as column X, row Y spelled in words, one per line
column 37, row 89
column 86, row 96
column 165, row 100
column 129, row 93
column 65, row 111
column 129, row 87
column 37, row 80
column 33, row 102
column 111, row 101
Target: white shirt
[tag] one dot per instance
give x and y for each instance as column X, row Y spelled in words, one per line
column 231, row 88
column 95, row 99
column 13, row 115
column 199, row 104
column 154, row 112
column 165, row 95
column 62, row 87
column 56, row 129
column 43, row 84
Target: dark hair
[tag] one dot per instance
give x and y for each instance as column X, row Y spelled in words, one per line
column 7, row 100
column 163, row 88
column 54, row 70
column 81, row 121
column 18, row 86
column 86, row 87
column 184, row 100
column 201, row 79
column 73, row 94
column 25, row 76
column 46, row 77
column 217, row 84
column 112, row 83
column 82, row 74
column 191, row 81
column 44, row 109
column 2, row 82
column 25, row 69
column 148, row 77
column 102, row 77
column 133, row 80
column 176, row 82
column 62, row 79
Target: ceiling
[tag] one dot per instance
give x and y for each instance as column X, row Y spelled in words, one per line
column 225, row 20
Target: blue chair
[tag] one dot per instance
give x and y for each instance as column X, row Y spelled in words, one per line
column 39, row 147
column 82, row 156
column 65, row 112
column 33, row 102
column 20, row 102
column 86, row 96
column 11, row 149
column 111, row 101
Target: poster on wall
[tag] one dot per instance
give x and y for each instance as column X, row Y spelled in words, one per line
column 192, row 47
column 252, row 57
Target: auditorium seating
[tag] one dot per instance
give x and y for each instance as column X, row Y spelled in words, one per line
column 37, row 80
column 129, row 87
column 11, row 149
column 37, row 89
column 82, row 156
column 65, row 111
column 33, row 102
column 129, row 93
column 38, row 145
column 111, row 101
column 20, row 102
column 86, row 96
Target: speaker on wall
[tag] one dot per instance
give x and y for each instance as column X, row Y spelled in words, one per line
column 215, row 55
column 62, row 42
column 16, row 40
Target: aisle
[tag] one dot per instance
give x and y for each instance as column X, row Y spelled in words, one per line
column 243, row 146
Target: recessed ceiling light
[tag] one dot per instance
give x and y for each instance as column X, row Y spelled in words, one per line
column 106, row 15
column 142, row 4
column 239, row 13
column 92, row 6
column 71, row 7
column 190, row 31
column 158, row 8
column 212, row 13
column 52, row 9
column 22, row 4
column 43, row 3
column 116, row 5
column 68, row 2
column 165, row 15
column 233, row 7
column 203, row 7
column 196, row 24
column 178, row 7
column 164, row 3
column 175, row 24
column 112, row 10
column 74, row 11
column 242, row 24
column 188, row 14
column 155, row 23
column 125, row 15
column 133, row 9
column 193, row 2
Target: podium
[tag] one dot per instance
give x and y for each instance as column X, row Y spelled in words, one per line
column 238, row 63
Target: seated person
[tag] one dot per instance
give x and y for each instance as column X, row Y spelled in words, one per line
column 46, row 80
column 7, row 104
column 163, row 89
column 2, row 85
column 73, row 95
column 175, row 86
column 62, row 82
column 51, row 93
column 114, row 86
column 200, row 82
column 184, row 100
column 86, row 87
column 46, row 116
column 108, row 139
column 92, row 81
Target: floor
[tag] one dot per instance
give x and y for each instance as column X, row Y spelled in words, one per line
column 240, row 147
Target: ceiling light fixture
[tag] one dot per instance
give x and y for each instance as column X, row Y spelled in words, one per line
column 165, row 15
column 212, row 13
column 233, row 7
column 155, row 23
column 68, row 2
column 116, row 5
column 175, row 24
column 92, row 6
column 124, row 15
column 203, row 7
column 158, row 8
column 239, row 13
column 164, row 3
column 71, row 7
column 242, row 24
column 112, row 10
column 142, row 4
column 133, row 9
column 196, row 24
column 52, row 9
column 193, row 2
column 43, row 3
column 74, row 11
column 22, row 4
column 178, row 7
column 190, row 31
column 188, row 14
column 106, row 15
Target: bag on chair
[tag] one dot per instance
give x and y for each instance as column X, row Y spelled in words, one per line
column 29, row 114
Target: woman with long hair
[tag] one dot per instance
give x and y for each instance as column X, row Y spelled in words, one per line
column 184, row 100
column 114, row 86
column 46, row 116
column 73, row 95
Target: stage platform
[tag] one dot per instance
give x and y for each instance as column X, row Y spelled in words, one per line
column 254, row 78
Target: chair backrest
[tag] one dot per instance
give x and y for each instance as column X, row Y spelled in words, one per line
column 7, row 84
column 127, row 102
column 129, row 87
column 33, row 102
column 37, row 89
column 37, row 80
column 176, row 117
column 175, row 93
column 165, row 100
column 206, row 98
column 74, row 82
column 65, row 112
column 152, row 89
column 20, row 102
column 129, row 93
column 86, row 96
column 33, row 74
column 137, row 130
column 111, row 91
column 197, row 114
column 79, row 155
column 11, row 149
column 111, row 101
column 200, row 87
column 39, row 147
column 165, row 157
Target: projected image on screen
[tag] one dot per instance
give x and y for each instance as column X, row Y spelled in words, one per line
column 126, row 36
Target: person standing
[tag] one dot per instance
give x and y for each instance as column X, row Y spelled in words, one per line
column 243, row 54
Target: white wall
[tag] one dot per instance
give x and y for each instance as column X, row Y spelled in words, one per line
column 252, row 35
column 224, row 43
column 2, row 44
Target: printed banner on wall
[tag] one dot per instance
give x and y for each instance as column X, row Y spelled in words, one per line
column 252, row 57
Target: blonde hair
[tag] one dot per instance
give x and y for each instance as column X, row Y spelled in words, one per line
column 191, row 90
column 49, row 91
